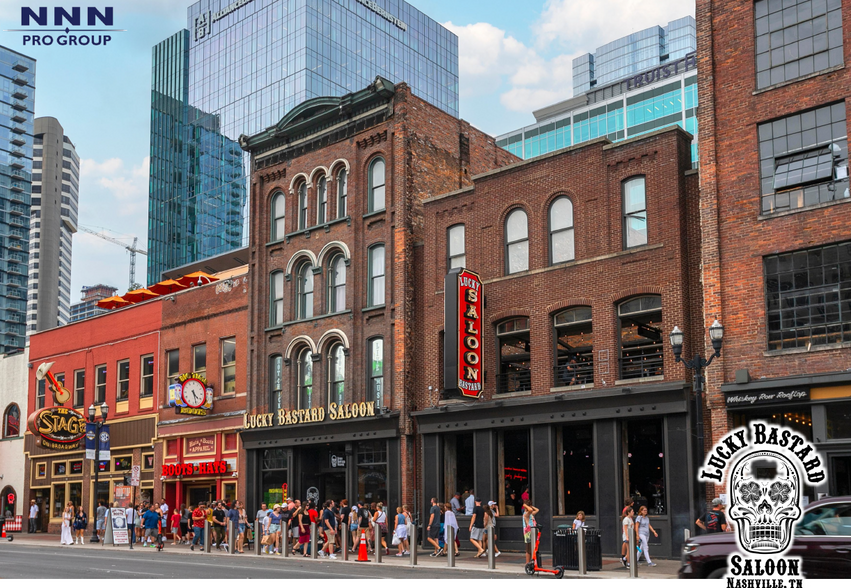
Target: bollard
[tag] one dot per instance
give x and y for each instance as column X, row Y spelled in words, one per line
column 686, row 535
column 258, row 535
column 313, row 541
column 491, row 549
column 286, row 545
column 633, row 556
column 376, row 530
column 230, row 537
column 449, row 546
column 583, row 562
column 412, row 541
column 344, row 539
column 208, row 543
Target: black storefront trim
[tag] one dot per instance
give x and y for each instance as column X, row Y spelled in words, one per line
column 815, row 380
column 380, row 427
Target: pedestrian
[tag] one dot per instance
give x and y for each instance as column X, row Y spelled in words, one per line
column 100, row 525
column 470, row 503
column 130, row 517
column 433, row 528
column 140, row 530
column 529, row 529
column 261, row 513
column 67, row 517
column 33, row 516
column 81, row 521
column 477, row 527
column 303, row 516
column 714, row 521
column 627, row 504
column 151, row 519
column 627, row 526
column 243, row 529
column 450, row 520
column 232, row 515
column 491, row 514
column 185, row 517
column 164, row 511
column 175, row 527
column 642, row 521
column 524, row 496
column 380, row 518
column 455, row 502
column 268, row 538
column 329, row 525
column 275, row 527
column 400, row 531
column 219, row 516
column 579, row 521
column 199, row 515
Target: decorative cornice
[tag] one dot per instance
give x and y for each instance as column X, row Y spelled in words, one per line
column 372, row 140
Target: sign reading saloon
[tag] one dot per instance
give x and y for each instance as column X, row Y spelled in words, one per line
column 462, row 316
column 58, row 427
column 337, row 412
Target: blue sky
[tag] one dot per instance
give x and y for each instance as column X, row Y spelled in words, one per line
column 515, row 57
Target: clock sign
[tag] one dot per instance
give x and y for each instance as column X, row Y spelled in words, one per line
column 194, row 393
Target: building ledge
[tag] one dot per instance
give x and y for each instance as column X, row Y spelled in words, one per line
column 800, row 79
column 812, row 349
column 771, row 215
column 639, row 380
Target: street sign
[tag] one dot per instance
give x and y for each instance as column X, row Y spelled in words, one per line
column 134, row 476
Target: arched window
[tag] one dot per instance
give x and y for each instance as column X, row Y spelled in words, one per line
column 561, row 230
column 376, row 185
column 276, row 382
column 375, row 371
column 305, row 379
column 336, row 284
column 515, row 356
column 304, row 291
column 321, row 201
column 302, row 206
column 517, row 242
column 375, row 294
column 276, row 298
column 634, row 213
column 455, row 246
column 574, row 347
column 279, row 228
column 12, row 421
column 336, row 374
column 342, row 192
column 641, row 337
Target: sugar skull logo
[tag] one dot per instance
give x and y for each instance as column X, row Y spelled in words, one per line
column 765, row 492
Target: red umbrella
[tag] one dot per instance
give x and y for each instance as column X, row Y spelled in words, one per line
column 113, row 302
column 139, row 295
column 166, row 287
column 196, row 279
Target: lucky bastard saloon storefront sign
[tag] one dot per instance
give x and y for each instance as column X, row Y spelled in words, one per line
column 462, row 319
column 337, row 412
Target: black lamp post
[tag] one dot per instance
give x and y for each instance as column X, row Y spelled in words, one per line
column 104, row 409
column 716, row 335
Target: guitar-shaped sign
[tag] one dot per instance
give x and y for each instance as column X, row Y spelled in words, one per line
column 60, row 394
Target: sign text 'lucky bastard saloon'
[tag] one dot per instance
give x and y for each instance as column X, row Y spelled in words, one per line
column 462, row 319
column 337, row 412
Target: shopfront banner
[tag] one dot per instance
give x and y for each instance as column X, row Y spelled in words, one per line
column 103, row 441
column 91, row 438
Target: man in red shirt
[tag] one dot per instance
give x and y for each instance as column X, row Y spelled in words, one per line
column 199, row 515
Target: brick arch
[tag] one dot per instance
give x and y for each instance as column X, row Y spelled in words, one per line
column 334, row 168
column 622, row 295
column 567, row 303
column 299, row 255
column 319, row 169
column 331, row 336
column 331, row 247
column 297, row 343
column 370, row 158
column 505, row 314
column 557, row 194
column 296, row 178
column 508, row 209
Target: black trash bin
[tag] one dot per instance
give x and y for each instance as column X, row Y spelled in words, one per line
column 566, row 549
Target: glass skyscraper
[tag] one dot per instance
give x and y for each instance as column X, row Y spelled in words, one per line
column 17, row 96
column 238, row 68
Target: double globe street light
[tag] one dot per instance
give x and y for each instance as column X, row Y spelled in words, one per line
column 92, row 418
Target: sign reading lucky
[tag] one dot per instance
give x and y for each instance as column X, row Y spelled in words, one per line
column 58, row 427
column 462, row 343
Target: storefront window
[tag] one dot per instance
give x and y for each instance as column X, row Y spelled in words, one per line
column 75, row 493
column 199, row 359
column 515, row 356
column 58, row 500
column 123, row 464
column 574, row 347
column 276, row 382
column 516, row 470
column 458, row 463
column 375, row 390
column 641, row 337
column 305, row 379
column 646, row 464
column 102, row 494
column 173, row 364
column 229, row 492
column 372, row 471
column 838, row 420
column 123, row 390
column 337, row 374
column 578, row 464
column 274, row 475
column 799, row 420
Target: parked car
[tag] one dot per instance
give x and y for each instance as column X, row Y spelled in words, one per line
column 822, row 540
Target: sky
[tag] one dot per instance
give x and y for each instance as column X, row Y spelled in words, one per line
column 514, row 57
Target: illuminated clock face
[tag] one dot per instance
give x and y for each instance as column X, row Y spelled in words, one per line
column 194, row 393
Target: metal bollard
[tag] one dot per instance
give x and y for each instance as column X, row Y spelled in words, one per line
column 633, row 556
column 449, row 546
column 376, row 530
column 258, row 536
column 583, row 562
column 344, row 539
column 230, row 536
column 314, row 540
column 491, row 548
column 285, row 540
column 208, row 543
column 413, row 541
column 686, row 535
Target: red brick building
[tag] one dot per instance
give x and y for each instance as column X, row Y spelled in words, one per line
column 336, row 196
column 773, row 91
column 587, row 259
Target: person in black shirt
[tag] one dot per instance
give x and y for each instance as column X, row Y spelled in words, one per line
column 219, row 524
column 343, row 520
column 329, row 526
column 714, row 521
column 477, row 527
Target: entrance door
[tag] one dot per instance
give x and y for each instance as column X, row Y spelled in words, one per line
column 42, row 499
column 196, row 494
column 840, row 475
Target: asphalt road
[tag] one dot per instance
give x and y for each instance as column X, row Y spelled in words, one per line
column 30, row 561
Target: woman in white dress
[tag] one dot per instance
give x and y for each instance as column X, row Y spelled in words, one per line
column 67, row 517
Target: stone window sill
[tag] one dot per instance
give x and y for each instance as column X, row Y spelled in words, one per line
column 639, row 380
column 811, row 349
column 558, row 389
column 512, row 394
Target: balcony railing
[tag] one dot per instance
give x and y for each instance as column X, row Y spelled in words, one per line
column 641, row 362
column 575, row 371
column 516, row 381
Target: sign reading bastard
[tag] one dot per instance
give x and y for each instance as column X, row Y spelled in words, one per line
column 462, row 353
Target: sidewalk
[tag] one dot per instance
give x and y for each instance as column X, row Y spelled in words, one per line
column 506, row 563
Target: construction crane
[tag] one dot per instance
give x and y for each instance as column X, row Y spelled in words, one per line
column 131, row 248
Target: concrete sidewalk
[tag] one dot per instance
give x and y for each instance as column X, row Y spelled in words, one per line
column 511, row 563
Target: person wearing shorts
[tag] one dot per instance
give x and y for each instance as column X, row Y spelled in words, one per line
column 433, row 528
column 175, row 527
column 329, row 524
column 275, row 526
column 151, row 520
column 477, row 527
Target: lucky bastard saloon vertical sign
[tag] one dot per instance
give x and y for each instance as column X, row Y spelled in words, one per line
column 462, row 342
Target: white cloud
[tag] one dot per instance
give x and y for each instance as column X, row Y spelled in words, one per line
column 125, row 187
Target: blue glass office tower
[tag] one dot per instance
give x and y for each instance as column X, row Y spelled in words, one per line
column 17, row 96
column 238, row 68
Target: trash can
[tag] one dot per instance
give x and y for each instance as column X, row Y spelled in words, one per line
column 566, row 549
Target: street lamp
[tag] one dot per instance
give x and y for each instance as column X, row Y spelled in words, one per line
column 104, row 409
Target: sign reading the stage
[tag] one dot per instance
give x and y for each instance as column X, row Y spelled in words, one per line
column 336, row 412
column 58, row 427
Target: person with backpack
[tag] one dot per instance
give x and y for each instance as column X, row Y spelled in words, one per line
column 714, row 521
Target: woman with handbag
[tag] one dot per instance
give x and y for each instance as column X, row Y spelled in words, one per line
column 400, row 531
column 380, row 518
column 449, row 520
column 303, row 518
column 81, row 521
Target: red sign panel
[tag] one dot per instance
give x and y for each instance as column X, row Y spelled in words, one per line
column 463, row 369
column 190, row 469
column 10, row 499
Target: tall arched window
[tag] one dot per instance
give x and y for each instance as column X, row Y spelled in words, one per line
column 305, row 379
column 517, row 242
column 375, row 293
column 376, row 185
column 321, row 201
column 375, row 371
column 276, row 382
column 276, row 298
column 641, row 337
column 561, row 230
column 304, row 291
column 455, row 246
column 278, row 217
column 574, row 347
column 634, row 213
column 12, row 421
column 336, row 284
column 342, row 192
column 515, row 356
column 302, row 206
column 337, row 374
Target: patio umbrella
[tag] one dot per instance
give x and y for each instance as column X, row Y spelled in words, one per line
column 139, row 295
column 113, row 302
column 167, row 287
column 196, row 279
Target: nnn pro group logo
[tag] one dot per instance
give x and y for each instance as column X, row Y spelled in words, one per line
column 75, row 26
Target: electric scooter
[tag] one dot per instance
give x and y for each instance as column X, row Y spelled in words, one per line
column 532, row 567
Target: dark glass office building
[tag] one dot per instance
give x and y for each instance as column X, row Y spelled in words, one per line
column 238, row 68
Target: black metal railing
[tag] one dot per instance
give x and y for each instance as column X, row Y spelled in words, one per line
column 641, row 362
column 515, row 381
column 574, row 371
